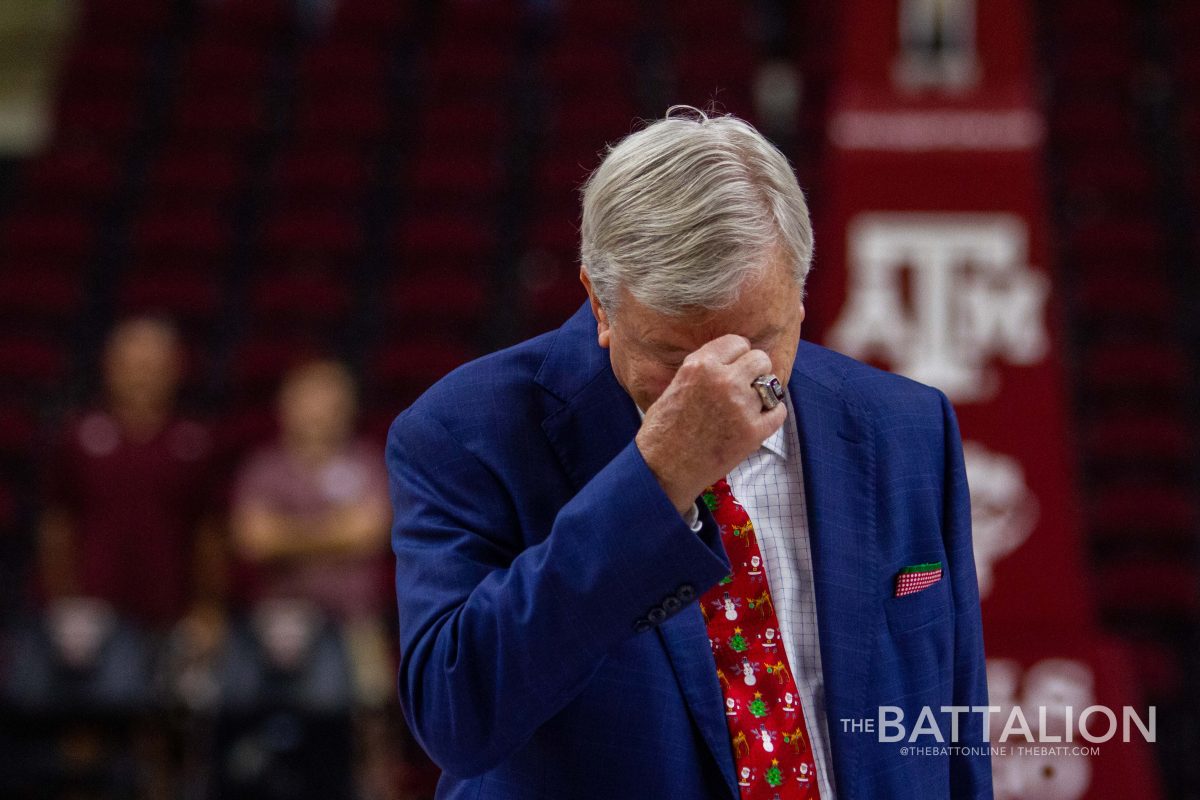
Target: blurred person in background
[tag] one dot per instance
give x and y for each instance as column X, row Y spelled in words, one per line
column 129, row 515
column 130, row 565
column 311, row 514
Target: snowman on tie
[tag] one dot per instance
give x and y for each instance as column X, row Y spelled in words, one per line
column 748, row 672
column 730, row 607
column 764, row 736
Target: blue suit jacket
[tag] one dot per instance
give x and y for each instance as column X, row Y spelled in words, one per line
column 550, row 642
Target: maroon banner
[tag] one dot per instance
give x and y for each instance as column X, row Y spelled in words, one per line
column 933, row 260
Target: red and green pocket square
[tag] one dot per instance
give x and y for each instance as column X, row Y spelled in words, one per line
column 911, row 580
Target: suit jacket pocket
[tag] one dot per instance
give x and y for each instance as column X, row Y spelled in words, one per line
column 930, row 605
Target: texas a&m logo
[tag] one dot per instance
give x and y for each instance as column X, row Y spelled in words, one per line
column 940, row 296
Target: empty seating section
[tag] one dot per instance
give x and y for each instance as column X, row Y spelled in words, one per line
column 363, row 177
column 390, row 182
column 1134, row 371
column 589, row 73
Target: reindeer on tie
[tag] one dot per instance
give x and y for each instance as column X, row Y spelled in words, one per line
column 740, row 746
column 745, row 531
column 780, row 671
column 721, row 677
column 762, row 603
column 795, row 739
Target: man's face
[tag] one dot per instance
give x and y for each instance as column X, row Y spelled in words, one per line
column 317, row 409
column 646, row 347
column 142, row 364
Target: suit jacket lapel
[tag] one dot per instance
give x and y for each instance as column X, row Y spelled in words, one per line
column 595, row 421
column 685, row 636
column 838, row 457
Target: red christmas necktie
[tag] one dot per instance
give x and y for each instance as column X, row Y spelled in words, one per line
column 762, row 706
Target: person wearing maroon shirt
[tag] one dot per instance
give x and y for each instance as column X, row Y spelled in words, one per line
column 310, row 512
column 128, row 509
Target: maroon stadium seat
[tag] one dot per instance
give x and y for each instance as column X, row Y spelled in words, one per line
column 30, row 365
column 348, row 118
column 200, row 231
column 1096, row 122
column 317, row 173
column 477, row 68
column 260, row 361
column 190, row 174
column 480, row 19
column 371, row 20
column 336, row 64
column 446, row 240
column 592, row 21
column 312, row 237
column 438, row 300
column 587, row 126
column 183, row 295
column 1132, row 239
column 701, row 17
column 265, row 21
column 41, row 295
column 1149, row 365
column 47, row 235
column 446, row 178
column 105, row 65
column 604, row 70
column 218, row 63
column 110, row 118
column 225, row 117
column 18, row 431
column 79, row 174
column 1166, row 587
column 1106, row 292
column 1111, row 62
column 403, row 369
column 129, row 19
column 304, row 297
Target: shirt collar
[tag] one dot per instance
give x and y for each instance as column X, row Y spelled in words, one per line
column 776, row 443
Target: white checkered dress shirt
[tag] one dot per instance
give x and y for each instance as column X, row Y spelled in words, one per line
column 770, row 486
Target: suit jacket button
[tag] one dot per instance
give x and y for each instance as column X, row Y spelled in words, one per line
column 685, row 592
column 671, row 604
column 642, row 625
column 656, row 615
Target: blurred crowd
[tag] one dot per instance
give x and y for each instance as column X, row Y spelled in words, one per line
column 198, row 630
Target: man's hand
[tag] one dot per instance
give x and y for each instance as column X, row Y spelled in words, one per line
column 708, row 419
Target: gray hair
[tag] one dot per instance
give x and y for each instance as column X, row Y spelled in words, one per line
column 684, row 212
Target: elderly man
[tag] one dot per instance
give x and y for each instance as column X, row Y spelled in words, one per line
column 669, row 550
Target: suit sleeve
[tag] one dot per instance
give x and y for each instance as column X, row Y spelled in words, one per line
column 970, row 773
column 495, row 638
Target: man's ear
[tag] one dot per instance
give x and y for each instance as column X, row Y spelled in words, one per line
column 603, row 329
